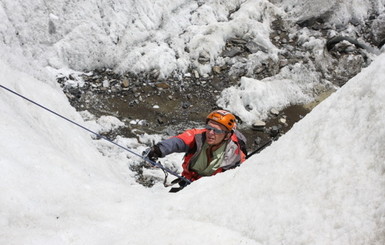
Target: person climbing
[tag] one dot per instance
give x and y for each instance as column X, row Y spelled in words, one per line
column 211, row 150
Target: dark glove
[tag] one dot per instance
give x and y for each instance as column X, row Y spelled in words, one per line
column 153, row 153
column 182, row 184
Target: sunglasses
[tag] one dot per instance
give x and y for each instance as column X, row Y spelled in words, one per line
column 216, row 131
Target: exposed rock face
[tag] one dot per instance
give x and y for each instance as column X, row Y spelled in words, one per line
column 378, row 31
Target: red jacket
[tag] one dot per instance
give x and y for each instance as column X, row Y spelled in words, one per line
column 191, row 142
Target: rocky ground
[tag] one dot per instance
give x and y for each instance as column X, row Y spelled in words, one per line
column 168, row 106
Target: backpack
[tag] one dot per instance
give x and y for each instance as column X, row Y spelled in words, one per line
column 241, row 141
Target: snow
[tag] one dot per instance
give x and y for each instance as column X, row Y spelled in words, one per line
column 338, row 12
column 249, row 98
column 321, row 183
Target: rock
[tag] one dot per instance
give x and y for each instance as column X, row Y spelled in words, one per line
column 254, row 47
column 70, row 96
column 162, row 85
column 203, row 60
column 381, row 45
column 217, row 69
column 204, row 57
column 125, row 83
column 260, row 69
column 283, row 63
column 274, row 111
column 248, row 107
column 155, row 73
column 282, row 120
column 378, row 30
column 196, row 74
column 274, row 131
column 160, row 120
column 346, row 42
column 258, row 125
column 106, row 83
column 51, row 27
column 258, row 140
column 344, row 46
column 115, row 89
column 237, row 41
column 232, row 52
column 186, row 105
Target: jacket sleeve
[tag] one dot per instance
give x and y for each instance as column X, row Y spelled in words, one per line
column 172, row 145
column 180, row 143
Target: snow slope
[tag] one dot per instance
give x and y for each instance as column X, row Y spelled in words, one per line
column 321, row 183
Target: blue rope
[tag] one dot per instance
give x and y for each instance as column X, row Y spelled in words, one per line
column 100, row 136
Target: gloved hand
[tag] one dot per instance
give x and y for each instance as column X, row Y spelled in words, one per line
column 153, row 153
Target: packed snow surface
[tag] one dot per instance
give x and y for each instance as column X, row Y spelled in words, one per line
column 321, row 183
